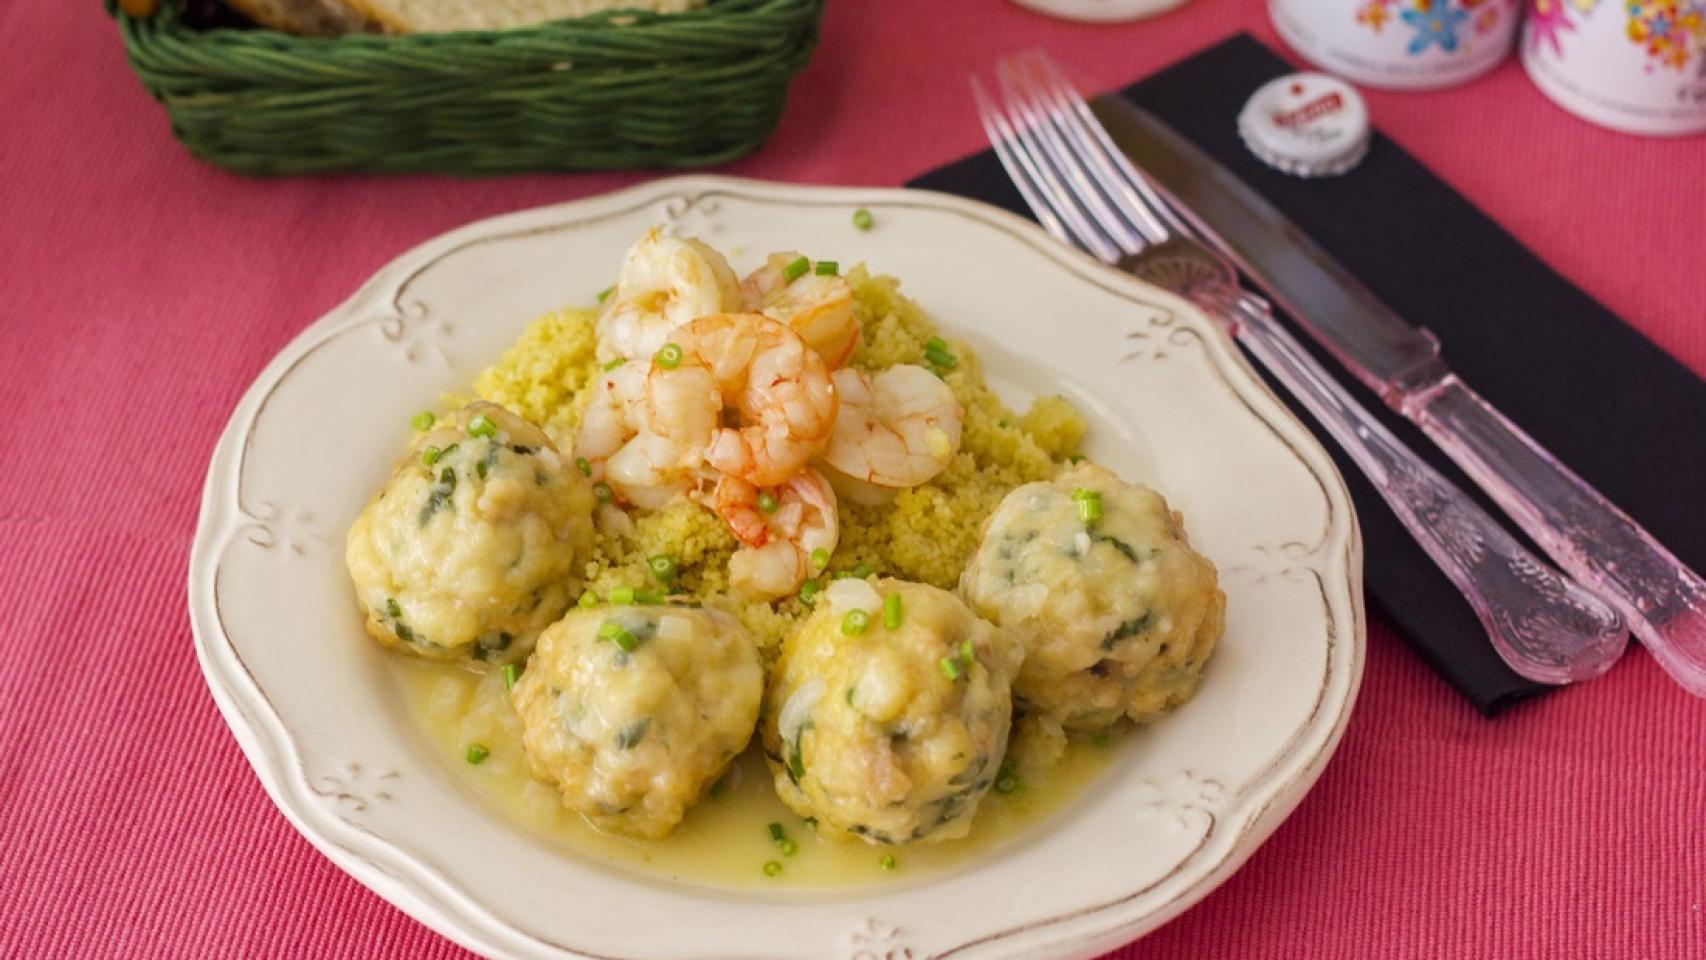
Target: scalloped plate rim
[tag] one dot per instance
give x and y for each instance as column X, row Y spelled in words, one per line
column 425, row 893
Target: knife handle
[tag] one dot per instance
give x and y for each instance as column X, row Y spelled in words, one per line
column 1545, row 626
column 1663, row 601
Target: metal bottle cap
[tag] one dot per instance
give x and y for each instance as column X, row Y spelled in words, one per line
column 1306, row 124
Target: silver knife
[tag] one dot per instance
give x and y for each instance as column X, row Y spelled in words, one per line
column 1663, row 601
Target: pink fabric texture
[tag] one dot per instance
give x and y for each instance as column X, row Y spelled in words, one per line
column 143, row 290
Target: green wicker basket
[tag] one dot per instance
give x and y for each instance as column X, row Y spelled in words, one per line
column 613, row 90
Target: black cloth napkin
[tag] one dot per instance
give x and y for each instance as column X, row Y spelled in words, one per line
column 1622, row 413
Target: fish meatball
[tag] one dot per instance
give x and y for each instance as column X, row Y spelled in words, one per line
column 632, row 713
column 1095, row 577
column 888, row 712
column 475, row 544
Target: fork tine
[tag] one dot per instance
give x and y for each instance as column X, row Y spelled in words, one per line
column 1018, row 166
column 1021, row 95
column 1130, row 188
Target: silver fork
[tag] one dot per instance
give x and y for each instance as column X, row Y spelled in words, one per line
column 1084, row 192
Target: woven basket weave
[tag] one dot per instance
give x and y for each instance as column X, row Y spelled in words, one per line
column 613, row 90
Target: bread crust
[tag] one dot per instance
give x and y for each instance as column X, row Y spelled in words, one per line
column 308, row 18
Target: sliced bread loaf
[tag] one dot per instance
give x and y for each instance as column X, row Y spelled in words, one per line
column 439, row 16
column 309, row 18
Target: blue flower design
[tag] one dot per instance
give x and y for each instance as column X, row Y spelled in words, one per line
column 1437, row 24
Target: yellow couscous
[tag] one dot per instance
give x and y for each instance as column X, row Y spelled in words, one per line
column 927, row 534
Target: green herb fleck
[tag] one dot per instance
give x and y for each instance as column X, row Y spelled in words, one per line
column 618, row 634
column 613, row 364
column 1007, row 780
column 602, row 493
column 633, row 733
column 772, row 868
column 482, row 426
column 767, row 503
column 622, row 596
column 820, row 559
column 808, row 593
column 477, row 753
column 668, row 356
column 855, row 622
column 587, row 600
column 796, row 269
column 584, row 466
column 862, row 219
column 512, row 673
column 604, row 294
column 393, row 609
column 423, row 421
column 891, row 612
column 828, row 268
column 887, row 862
column 662, row 567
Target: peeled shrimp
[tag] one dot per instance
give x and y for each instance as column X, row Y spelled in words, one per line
column 776, row 386
column 775, row 557
column 665, row 282
column 641, row 467
column 896, row 430
column 818, row 308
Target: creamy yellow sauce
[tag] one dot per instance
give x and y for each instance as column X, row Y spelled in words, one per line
column 725, row 841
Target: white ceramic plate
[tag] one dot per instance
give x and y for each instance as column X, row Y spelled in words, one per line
column 1170, row 402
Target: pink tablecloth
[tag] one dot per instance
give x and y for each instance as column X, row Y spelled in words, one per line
column 142, row 290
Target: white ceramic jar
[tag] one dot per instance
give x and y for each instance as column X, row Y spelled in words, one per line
column 1633, row 65
column 1100, row 11
column 1399, row 44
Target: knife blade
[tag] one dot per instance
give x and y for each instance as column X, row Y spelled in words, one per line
column 1385, row 351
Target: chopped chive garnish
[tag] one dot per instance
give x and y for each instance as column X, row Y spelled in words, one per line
column 776, row 833
column 1089, row 504
column 602, row 493
column 772, row 868
column 447, row 476
column 604, row 294
column 482, row 426
column 820, row 559
column 587, row 600
column 966, row 652
column 861, row 570
column 512, row 673
column 855, row 622
column 810, row 822
column 828, row 268
column 789, row 848
column 622, row 596
column 663, row 567
column 1007, row 780
column 614, row 364
column 668, row 356
column 767, row 503
column 584, row 466
column 950, row 667
column 392, row 609
column 936, row 351
column 886, row 861
column 618, row 634
column 796, row 270
column 650, row 598
column 891, row 611
column 477, row 753
column 862, row 219
column 808, row 592
column 423, row 421
column 430, row 455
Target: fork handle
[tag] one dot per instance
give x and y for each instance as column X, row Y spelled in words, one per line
column 1545, row 626
column 1663, row 601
